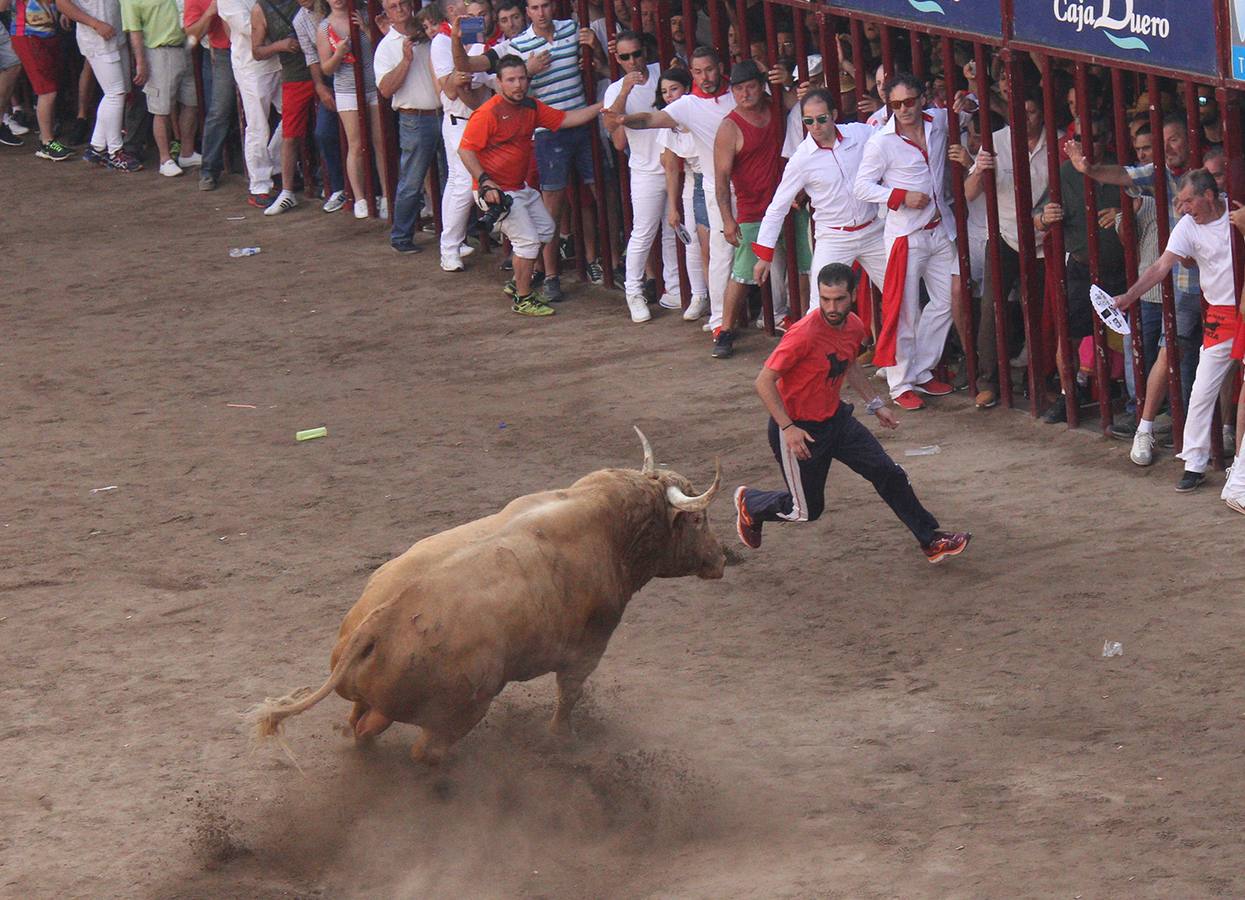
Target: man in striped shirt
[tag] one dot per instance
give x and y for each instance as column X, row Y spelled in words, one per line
column 551, row 48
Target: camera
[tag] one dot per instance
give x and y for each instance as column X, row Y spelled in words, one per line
column 492, row 213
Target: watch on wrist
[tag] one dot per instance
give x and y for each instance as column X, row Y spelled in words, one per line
column 874, row 405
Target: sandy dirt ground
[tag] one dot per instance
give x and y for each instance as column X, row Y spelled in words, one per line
column 835, row 718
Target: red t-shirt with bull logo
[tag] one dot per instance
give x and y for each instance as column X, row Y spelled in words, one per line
column 811, row 360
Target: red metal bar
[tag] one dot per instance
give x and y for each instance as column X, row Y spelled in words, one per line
column 994, row 255
column 1175, row 397
column 888, row 51
column 665, row 39
column 605, row 245
column 1194, row 119
column 637, row 17
column 689, row 32
column 1128, row 237
column 1230, row 109
column 365, row 123
column 1055, row 272
column 1101, row 368
column 858, row 62
column 388, row 134
column 776, row 109
column 718, row 27
column 741, row 28
column 919, row 67
column 827, row 38
column 960, row 204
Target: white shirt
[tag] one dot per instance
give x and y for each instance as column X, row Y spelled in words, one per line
column 827, row 176
column 89, row 41
column 418, row 89
column 701, row 116
column 795, row 131
column 442, row 54
column 237, row 15
column 1005, row 180
column 643, row 144
column 1210, row 246
column 681, row 144
column 891, row 162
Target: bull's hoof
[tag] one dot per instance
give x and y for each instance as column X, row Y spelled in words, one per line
column 561, row 729
column 426, row 753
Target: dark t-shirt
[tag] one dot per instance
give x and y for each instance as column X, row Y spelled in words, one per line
column 811, row 360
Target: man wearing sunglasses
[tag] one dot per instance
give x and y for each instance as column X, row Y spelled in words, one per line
column 636, row 92
column 824, row 165
column 904, row 167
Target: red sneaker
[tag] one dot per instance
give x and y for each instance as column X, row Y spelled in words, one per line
column 946, row 544
column 934, row 388
column 909, row 401
column 749, row 531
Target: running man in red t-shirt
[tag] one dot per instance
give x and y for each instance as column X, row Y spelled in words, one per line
column 809, row 427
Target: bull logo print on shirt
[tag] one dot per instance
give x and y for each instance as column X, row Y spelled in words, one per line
column 837, row 366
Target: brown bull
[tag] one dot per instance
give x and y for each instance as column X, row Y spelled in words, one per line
column 538, row 587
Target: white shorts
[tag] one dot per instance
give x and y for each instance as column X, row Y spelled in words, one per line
column 528, row 225
column 348, row 102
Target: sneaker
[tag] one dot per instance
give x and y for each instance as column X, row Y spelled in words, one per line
column 382, row 208
column 552, row 288
column 596, row 274
column 566, row 247
column 192, row 161
column 1143, row 449
column 638, row 309
column 465, row 250
column 334, row 201
column 986, row 399
column 708, row 327
column 947, row 544
column 960, row 381
column 1055, row 413
column 284, row 203
column 1124, row 430
column 95, row 157
column 450, row 262
column 783, row 326
column 360, row 209
column 749, row 532
column 531, row 306
column 9, row 137
column 53, row 150
column 404, row 247
column 208, row 182
column 1190, row 481
column 77, row 133
column 507, row 264
column 723, row 344
column 170, row 169
column 934, row 388
column 263, row 201
column 910, row 401
column 620, row 274
column 697, row 308
column 121, row 161
column 1235, row 505
column 175, row 149
column 670, row 301
column 14, row 126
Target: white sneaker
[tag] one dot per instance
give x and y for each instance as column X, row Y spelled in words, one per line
column 284, row 203
column 1143, row 449
column 360, row 209
column 638, row 307
column 335, row 201
column 382, row 208
column 15, row 126
column 697, row 308
column 170, row 169
column 880, row 372
column 706, row 327
column 451, row 262
column 191, row 161
column 670, row 301
column 465, row 250
column 1235, row 505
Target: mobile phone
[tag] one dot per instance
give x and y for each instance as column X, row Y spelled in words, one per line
column 472, row 28
column 682, row 234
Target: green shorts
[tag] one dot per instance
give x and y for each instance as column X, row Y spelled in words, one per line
column 745, row 259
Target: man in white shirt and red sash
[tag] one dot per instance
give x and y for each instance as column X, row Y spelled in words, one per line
column 904, row 167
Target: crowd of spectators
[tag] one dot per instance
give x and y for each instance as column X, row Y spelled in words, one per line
column 727, row 154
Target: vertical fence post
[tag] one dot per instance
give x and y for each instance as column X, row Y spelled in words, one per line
column 858, row 61
column 605, row 244
column 994, row 256
column 689, row 32
column 388, row 133
column 1055, row 271
column 365, row 120
column 1128, row 237
column 828, row 39
column 960, row 204
column 1175, row 398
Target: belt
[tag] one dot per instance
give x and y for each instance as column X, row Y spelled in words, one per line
column 934, row 224
column 418, row 112
column 850, row 227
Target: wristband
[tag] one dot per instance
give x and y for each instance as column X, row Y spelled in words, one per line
column 874, row 405
column 785, row 427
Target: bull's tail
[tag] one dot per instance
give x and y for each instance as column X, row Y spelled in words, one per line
column 267, row 717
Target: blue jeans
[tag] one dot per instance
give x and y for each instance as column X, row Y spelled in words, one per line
column 329, row 141
column 419, row 138
column 221, row 112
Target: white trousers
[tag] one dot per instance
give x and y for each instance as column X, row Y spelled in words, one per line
column 721, row 255
column 922, row 333
column 1234, row 487
column 847, row 247
column 262, row 149
column 648, row 214
column 528, row 224
column 112, row 71
column 1213, row 366
column 695, row 261
column 457, row 199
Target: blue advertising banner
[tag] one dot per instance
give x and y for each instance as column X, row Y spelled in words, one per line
column 981, row 17
column 1169, row 34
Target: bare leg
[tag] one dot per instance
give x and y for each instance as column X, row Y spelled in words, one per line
column 553, row 201
column 523, row 275
column 289, row 162
column 1156, row 387
column 378, row 146
column 736, row 293
column 160, row 128
column 1240, row 419
column 86, row 84
column 45, row 114
column 189, row 118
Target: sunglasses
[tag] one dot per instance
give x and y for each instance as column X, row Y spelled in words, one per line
column 626, row 57
column 897, row 105
column 820, row 120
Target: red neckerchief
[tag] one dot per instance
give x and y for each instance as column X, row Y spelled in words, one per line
column 722, row 89
column 445, row 29
column 1177, row 172
column 496, row 36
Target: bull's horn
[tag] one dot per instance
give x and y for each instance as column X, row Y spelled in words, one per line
column 680, row 500
column 650, row 463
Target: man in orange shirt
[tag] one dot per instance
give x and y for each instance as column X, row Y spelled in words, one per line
column 496, row 148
